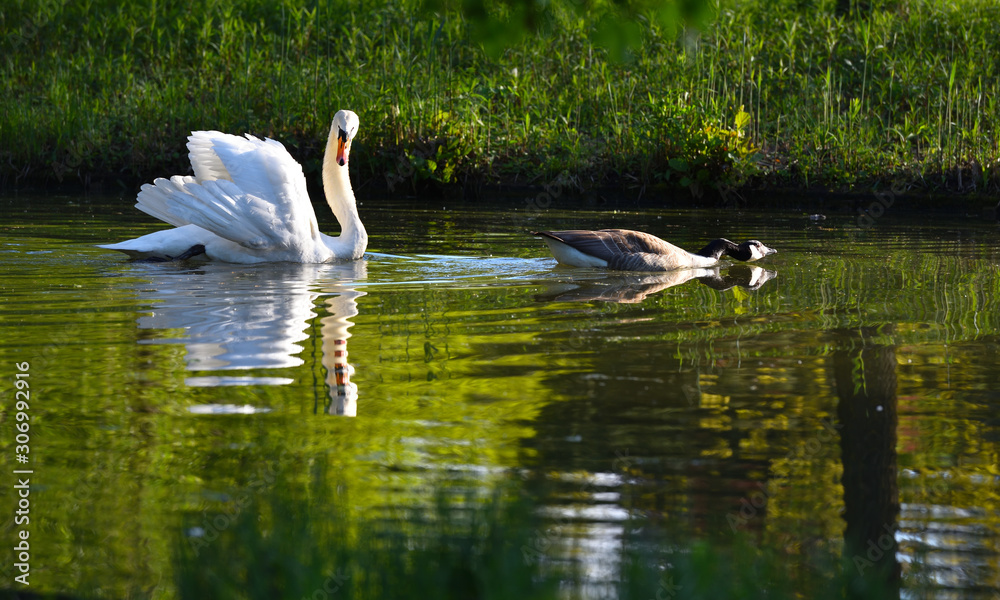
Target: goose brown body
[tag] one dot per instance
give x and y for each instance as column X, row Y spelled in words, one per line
column 627, row 250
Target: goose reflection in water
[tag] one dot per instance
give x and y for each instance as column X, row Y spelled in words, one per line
column 634, row 288
column 238, row 318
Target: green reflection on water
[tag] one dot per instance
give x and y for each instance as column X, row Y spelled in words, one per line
column 679, row 405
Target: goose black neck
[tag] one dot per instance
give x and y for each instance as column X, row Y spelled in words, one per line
column 716, row 248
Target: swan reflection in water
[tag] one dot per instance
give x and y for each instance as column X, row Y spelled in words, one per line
column 633, row 288
column 237, row 318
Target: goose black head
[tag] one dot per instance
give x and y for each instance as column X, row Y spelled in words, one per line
column 752, row 249
column 747, row 251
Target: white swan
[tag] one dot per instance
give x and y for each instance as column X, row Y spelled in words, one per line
column 247, row 203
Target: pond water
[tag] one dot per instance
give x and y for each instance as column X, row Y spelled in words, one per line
column 842, row 394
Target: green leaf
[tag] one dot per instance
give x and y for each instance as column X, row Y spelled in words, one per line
column 742, row 120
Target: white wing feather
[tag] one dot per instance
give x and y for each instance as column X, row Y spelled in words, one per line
column 246, row 190
column 204, row 160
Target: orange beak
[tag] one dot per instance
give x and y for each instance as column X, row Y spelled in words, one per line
column 342, row 144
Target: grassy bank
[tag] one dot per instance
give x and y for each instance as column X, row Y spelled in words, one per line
column 771, row 94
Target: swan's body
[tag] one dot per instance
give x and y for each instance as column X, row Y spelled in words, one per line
column 625, row 250
column 247, row 203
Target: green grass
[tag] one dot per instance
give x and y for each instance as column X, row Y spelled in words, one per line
column 788, row 94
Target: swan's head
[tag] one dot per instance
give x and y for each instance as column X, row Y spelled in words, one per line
column 345, row 126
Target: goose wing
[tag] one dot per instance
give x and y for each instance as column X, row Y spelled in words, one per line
column 623, row 249
column 609, row 243
column 246, row 190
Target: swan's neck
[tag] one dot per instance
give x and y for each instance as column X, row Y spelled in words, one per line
column 353, row 238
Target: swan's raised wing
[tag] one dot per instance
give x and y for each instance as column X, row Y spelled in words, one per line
column 224, row 209
column 246, row 190
column 206, row 163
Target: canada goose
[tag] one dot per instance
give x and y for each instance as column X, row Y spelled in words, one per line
column 247, row 203
column 625, row 250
